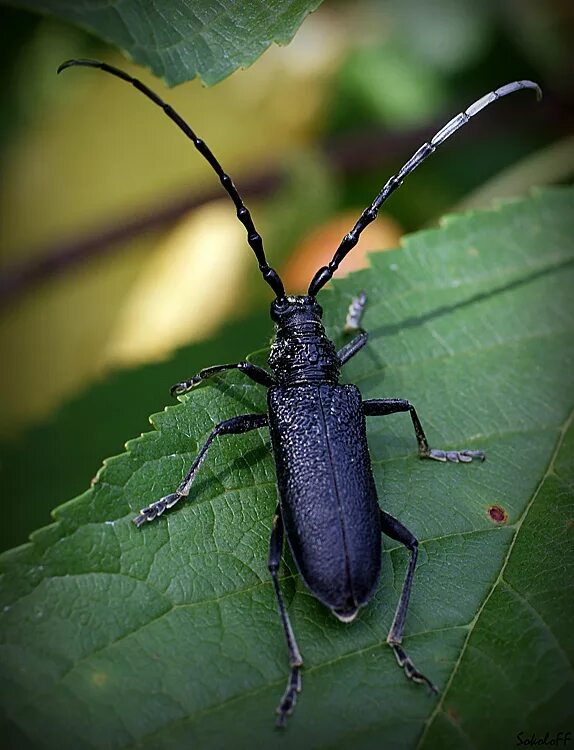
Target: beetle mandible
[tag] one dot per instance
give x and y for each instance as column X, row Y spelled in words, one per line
column 328, row 506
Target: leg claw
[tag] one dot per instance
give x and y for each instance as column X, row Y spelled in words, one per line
column 410, row 670
column 184, row 387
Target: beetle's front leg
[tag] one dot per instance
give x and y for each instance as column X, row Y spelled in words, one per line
column 287, row 704
column 256, row 373
column 233, row 426
column 379, row 407
column 353, row 325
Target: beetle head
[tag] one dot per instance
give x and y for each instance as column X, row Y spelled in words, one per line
column 294, row 309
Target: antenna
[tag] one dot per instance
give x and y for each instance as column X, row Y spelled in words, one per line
column 349, row 241
column 253, row 237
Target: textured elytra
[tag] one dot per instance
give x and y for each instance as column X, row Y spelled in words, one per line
column 168, row 636
column 328, row 496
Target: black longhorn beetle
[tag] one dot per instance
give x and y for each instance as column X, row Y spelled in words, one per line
column 328, row 504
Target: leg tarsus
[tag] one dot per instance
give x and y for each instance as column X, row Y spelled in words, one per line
column 154, row 510
column 409, row 668
column 464, row 456
column 355, row 313
column 289, row 699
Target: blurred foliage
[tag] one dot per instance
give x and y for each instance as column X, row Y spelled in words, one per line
column 29, row 45
column 180, row 41
column 328, row 118
column 435, row 59
column 133, row 156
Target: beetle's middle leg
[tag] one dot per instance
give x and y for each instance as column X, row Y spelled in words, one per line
column 256, row 373
column 287, row 704
column 379, row 407
column 233, row 426
column 395, row 530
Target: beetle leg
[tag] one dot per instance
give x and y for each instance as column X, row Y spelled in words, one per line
column 350, row 349
column 355, row 313
column 353, row 325
column 256, row 373
column 287, row 704
column 379, row 407
column 395, row 530
column 233, row 426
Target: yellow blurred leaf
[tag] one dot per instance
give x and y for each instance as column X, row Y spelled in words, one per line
column 187, row 288
column 100, row 155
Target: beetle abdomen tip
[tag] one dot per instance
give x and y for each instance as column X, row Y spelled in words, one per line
column 346, row 615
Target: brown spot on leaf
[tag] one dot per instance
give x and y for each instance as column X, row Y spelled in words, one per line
column 99, row 679
column 452, row 715
column 497, row 514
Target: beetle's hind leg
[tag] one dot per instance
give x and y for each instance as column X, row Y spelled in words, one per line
column 379, row 407
column 233, row 426
column 256, row 373
column 395, row 530
column 287, row 704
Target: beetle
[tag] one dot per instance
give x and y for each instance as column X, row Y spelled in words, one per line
column 328, row 507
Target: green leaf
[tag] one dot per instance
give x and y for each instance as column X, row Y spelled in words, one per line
column 168, row 636
column 122, row 402
column 182, row 40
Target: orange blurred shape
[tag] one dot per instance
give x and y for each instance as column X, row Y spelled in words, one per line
column 317, row 248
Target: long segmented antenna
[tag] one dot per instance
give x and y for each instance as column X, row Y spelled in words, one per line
column 253, row 237
column 349, row 241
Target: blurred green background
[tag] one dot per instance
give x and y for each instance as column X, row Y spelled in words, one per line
column 113, row 229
